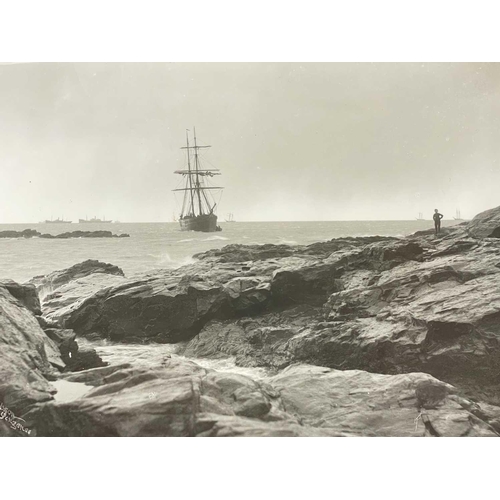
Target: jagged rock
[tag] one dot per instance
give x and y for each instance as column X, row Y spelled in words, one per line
column 59, row 304
column 421, row 304
column 251, row 253
column 173, row 305
column 26, row 294
column 65, row 341
column 182, row 399
column 253, row 342
column 75, row 357
column 83, row 359
column 53, row 281
column 168, row 306
column 388, row 305
column 26, row 355
column 156, row 401
column 485, row 225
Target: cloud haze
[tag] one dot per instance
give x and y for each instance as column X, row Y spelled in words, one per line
column 294, row 141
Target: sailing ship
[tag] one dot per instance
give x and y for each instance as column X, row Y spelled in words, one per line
column 198, row 208
column 94, row 220
column 420, row 216
column 458, row 217
column 230, row 218
column 58, row 221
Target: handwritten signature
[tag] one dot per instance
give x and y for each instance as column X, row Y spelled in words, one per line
column 8, row 416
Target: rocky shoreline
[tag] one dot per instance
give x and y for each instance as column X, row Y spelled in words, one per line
column 32, row 233
column 368, row 336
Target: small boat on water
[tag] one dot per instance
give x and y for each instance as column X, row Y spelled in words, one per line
column 58, row 221
column 198, row 206
column 94, row 220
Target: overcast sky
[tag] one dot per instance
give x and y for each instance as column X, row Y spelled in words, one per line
column 295, row 141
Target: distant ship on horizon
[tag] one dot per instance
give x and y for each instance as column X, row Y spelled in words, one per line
column 230, row 217
column 58, row 221
column 420, row 216
column 94, row 220
column 458, row 217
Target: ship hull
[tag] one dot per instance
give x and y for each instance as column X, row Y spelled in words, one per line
column 202, row 223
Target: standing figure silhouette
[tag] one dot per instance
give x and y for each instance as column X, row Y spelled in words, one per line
column 437, row 220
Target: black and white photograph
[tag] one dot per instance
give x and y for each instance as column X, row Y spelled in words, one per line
column 242, row 247
column 279, row 268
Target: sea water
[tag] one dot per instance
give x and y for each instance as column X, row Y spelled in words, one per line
column 163, row 245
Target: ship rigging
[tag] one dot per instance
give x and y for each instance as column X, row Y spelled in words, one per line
column 198, row 209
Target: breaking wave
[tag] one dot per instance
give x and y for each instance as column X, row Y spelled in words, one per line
column 214, row 238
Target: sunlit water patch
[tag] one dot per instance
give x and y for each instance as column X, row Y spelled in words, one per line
column 157, row 354
column 69, row 391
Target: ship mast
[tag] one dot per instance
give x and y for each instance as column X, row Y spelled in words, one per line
column 194, row 185
column 189, row 176
column 197, row 171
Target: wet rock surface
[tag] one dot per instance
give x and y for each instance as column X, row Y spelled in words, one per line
column 31, row 357
column 362, row 336
column 179, row 398
column 90, row 267
column 27, row 356
column 426, row 304
column 485, row 225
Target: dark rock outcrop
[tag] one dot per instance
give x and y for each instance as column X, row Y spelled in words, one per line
column 85, row 234
column 30, row 357
column 26, row 294
column 26, row 233
column 436, row 309
column 392, row 307
column 32, row 233
column 27, row 356
column 173, row 305
column 76, row 358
